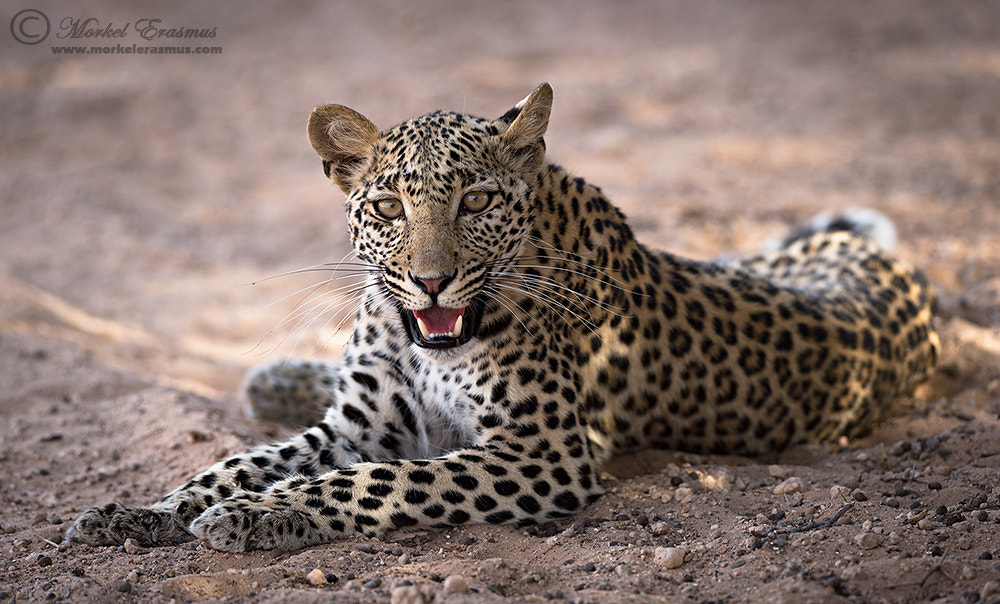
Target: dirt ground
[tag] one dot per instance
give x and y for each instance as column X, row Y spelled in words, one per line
column 147, row 201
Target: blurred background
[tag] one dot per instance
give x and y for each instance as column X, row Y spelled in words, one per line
column 146, row 199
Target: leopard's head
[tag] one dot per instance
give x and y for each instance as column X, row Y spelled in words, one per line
column 438, row 205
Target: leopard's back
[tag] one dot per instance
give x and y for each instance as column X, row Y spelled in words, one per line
column 812, row 341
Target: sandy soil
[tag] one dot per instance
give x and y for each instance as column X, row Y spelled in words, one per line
column 147, row 199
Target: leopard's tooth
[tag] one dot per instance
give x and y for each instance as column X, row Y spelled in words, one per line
column 423, row 328
column 457, row 330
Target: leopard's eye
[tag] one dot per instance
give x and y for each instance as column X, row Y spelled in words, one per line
column 389, row 208
column 476, row 201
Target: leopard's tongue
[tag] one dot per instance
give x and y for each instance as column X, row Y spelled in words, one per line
column 439, row 322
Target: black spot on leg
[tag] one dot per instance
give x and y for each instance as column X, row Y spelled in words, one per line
column 434, row 511
column 383, row 474
column 379, row 489
column 355, row 415
column 528, row 504
column 485, row 503
column 421, row 477
column 458, row 517
column 366, row 380
column 499, row 517
column 415, row 497
column 453, row 497
column 401, row 520
column 561, row 476
column 506, row 488
column 465, row 481
column 567, row 501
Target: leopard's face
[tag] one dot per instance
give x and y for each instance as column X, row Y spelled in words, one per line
column 439, row 207
column 438, row 220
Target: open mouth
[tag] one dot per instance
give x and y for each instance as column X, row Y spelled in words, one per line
column 439, row 327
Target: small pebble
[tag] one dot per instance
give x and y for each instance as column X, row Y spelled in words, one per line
column 467, row 540
column 406, row 594
column 982, row 515
column 373, row 583
column 398, row 551
column 367, row 548
column 669, row 557
column 925, row 524
column 899, row 448
column 986, row 556
column 990, row 588
column 934, row 485
column 789, row 486
column 839, row 492
column 859, row 496
column 589, row 567
column 676, row 481
column 779, row 471
column 867, row 540
column 660, row 528
column 125, row 587
column 133, row 577
column 316, row 577
column 131, row 547
column 892, row 502
column 455, row 584
column 77, row 572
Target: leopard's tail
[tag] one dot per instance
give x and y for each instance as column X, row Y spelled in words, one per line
column 864, row 222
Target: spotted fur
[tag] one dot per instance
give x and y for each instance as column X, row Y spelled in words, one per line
column 513, row 334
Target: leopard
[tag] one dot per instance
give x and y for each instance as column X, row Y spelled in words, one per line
column 511, row 334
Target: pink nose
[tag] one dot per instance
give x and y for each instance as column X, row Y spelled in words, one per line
column 431, row 286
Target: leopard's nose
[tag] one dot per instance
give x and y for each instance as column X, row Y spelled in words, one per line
column 432, row 285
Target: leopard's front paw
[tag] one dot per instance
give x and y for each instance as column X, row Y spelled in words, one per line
column 238, row 525
column 112, row 524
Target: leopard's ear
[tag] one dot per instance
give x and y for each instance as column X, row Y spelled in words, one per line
column 343, row 138
column 522, row 141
